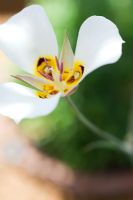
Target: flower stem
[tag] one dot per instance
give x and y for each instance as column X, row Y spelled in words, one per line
column 96, row 130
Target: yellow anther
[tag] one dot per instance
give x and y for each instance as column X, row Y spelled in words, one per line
column 76, row 75
column 48, row 70
column 48, row 87
column 42, row 95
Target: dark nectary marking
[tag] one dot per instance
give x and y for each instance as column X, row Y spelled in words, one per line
column 40, row 61
column 82, row 68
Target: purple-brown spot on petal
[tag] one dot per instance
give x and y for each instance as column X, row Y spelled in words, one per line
column 40, row 61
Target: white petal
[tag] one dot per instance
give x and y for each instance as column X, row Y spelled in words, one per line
column 99, row 43
column 28, row 35
column 18, row 102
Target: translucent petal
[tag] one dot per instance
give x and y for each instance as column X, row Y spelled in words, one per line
column 26, row 36
column 99, row 43
column 18, row 102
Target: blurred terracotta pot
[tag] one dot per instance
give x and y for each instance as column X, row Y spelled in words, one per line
column 16, row 151
column 11, row 6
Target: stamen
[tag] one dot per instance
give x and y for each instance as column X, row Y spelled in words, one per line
column 59, row 66
column 57, row 63
column 46, row 72
column 61, row 71
column 47, row 76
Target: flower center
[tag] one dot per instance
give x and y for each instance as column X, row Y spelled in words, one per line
column 59, row 78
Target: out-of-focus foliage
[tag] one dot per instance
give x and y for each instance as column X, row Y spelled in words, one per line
column 104, row 96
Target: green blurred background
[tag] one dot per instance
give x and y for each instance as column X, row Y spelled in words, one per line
column 104, row 96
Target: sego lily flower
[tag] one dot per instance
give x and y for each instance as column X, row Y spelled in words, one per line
column 29, row 41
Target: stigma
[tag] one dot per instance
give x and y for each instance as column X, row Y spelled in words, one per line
column 59, row 78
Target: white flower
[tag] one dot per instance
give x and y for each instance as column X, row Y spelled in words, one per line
column 29, row 41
